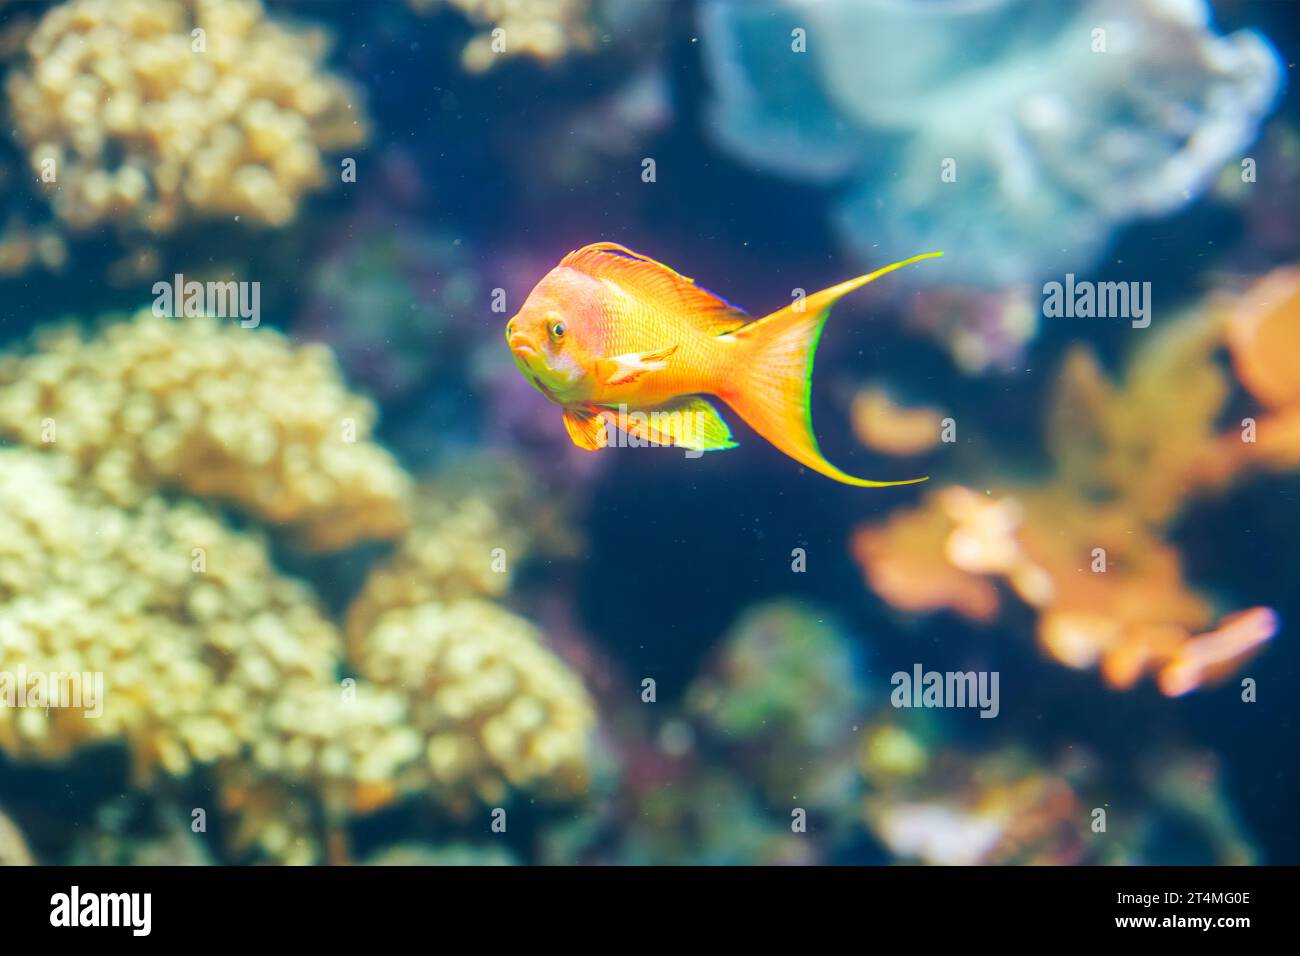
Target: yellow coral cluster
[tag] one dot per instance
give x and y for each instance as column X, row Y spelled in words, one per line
column 151, row 113
column 194, row 631
column 209, row 655
column 544, row 29
column 212, row 409
column 1087, row 547
column 457, row 548
column 495, row 706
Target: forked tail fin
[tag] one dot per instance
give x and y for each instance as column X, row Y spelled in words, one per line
column 772, row 383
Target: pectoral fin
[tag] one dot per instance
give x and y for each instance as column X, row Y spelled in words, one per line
column 586, row 428
column 688, row 422
column 630, row 366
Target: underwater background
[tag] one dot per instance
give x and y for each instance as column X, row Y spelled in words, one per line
column 354, row 595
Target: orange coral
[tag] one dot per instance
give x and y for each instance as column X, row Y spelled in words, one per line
column 1086, row 546
column 882, row 424
column 1263, row 338
column 905, row 564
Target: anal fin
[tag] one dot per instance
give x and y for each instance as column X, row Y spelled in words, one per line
column 689, row 422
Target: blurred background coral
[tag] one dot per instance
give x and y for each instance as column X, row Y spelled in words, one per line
column 356, row 598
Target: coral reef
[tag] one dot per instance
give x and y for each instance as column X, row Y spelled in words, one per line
column 1263, row 339
column 1086, row 546
column 778, row 754
column 546, row 30
column 905, row 561
column 456, row 549
column 210, row 656
column 930, row 802
column 207, row 655
column 494, row 705
column 1064, row 120
column 959, row 809
column 192, row 656
column 211, row 409
column 1110, row 592
column 784, row 693
column 496, row 708
column 326, row 638
column 149, row 114
column 754, row 765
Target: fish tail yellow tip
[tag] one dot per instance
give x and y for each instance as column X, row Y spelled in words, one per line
column 866, row 483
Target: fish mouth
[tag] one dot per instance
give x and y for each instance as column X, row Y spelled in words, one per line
column 522, row 345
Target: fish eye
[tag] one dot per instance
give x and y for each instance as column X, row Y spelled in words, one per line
column 558, row 330
column 510, row 327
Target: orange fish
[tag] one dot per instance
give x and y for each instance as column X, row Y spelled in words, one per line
column 618, row 339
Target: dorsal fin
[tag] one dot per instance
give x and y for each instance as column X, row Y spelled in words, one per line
column 647, row 278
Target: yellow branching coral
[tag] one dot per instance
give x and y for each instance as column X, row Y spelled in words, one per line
column 456, row 548
column 209, row 656
column 214, row 410
column 495, row 706
column 544, row 29
column 1086, row 548
column 194, row 631
column 150, row 113
column 351, row 745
